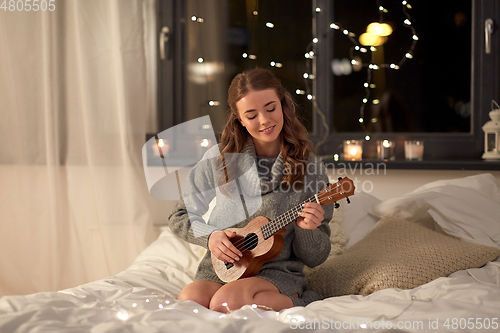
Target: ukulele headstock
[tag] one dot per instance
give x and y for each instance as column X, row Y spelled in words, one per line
column 342, row 189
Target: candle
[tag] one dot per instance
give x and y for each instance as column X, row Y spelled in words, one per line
column 385, row 150
column 414, row 150
column 353, row 150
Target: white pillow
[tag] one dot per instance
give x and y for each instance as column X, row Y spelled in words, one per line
column 356, row 220
column 467, row 208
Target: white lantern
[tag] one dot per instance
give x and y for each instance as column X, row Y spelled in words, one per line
column 492, row 135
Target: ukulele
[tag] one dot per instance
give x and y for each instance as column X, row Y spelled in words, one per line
column 261, row 240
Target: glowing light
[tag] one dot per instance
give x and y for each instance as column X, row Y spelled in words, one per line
column 300, row 92
column 134, row 305
column 360, row 119
column 254, row 306
column 255, row 13
column 346, row 32
column 147, row 300
column 245, row 55
column 379, row 29
column 272, row 63
column 195, row 310
column 161, row 143
column 224, row 304
column 199, row 19
column 307, row 55
column 122, row 315
column 334, row 26
column 367, row 138
column 269, row 25
column 372, row 85
column 386, row 143
column 366, row 84
column 415, row 37
column 315, row 40
column 160, row 306
column 369, row 39
column 205, row 143
column 318, row 10
column 365, row 100
column 212, row 103
column 375, row 101
column 310, row 97
column 394, row 66
column 193, row 18
column 409, row 55
column 222, row 315
column 336, row 157
column 407, row 22
column 252, row 56
column 311, row 53
column 374, row 120
column 362, row 325
column 200, row 60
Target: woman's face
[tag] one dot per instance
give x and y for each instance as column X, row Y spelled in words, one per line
column 261, row 114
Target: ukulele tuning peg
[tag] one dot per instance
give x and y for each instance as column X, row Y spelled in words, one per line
column 337, row 205
column 340, row 178
column 328, row 184
column 348, row 201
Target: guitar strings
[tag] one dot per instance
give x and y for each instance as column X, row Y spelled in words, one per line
column 241, row 242
column 238, row 243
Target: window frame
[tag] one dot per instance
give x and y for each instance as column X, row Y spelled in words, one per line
column 439, row 146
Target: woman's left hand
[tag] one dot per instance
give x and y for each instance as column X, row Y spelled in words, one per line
column 311, row 216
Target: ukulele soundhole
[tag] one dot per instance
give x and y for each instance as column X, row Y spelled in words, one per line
column 251, row 241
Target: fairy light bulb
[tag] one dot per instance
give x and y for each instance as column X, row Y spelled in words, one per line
column 270, row 25
column 244, row 55
column 386, row 143
column 334, row 26
column 407, row 22
column 318, row 10
column 409, row 55
column 367, row 138
column 315, row 40
column 193, row 18
column 305, row 76
column 360, row 120
column 252, row 56
column 255, row 13
column 161, row 143
column 195, row 310
column 213, row 103
column 376, row 101
column 200, row 60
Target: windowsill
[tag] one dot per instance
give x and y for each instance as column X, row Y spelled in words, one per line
column 417, row 165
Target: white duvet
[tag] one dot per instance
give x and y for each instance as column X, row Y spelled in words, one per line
column 142, row 298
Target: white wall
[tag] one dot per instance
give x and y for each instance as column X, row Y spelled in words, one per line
column 384, row 185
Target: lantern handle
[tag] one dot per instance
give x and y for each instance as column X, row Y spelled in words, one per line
column 493, row 102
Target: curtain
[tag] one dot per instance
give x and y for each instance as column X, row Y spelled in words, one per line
column 75, row 104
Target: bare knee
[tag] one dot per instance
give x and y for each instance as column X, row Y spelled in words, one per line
column 200, row 292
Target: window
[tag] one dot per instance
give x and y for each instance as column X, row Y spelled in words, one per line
column 209, row 41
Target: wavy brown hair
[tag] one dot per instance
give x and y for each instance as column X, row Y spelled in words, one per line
column 295, row 145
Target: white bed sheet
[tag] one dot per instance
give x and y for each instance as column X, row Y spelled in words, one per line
column 142, row 299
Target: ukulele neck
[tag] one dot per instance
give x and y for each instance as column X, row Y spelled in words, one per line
column 273, row 226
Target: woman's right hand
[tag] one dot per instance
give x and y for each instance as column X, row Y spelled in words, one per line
column 222, row 248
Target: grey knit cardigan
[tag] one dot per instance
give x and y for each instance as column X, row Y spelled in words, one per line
column 264, row 195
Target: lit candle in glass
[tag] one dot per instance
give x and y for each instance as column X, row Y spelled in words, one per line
column 414, row 150
column 353, row 150
column 385, row 150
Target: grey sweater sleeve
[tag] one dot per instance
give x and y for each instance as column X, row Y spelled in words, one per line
column 186, row 220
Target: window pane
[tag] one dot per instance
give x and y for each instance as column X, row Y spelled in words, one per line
column 219, row 32
column 428, row 93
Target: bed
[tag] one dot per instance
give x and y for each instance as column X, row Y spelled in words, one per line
column 450, row 284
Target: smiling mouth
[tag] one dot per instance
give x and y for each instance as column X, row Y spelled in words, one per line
column 266, row 130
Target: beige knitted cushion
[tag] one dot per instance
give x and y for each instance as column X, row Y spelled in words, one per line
column 396, row 254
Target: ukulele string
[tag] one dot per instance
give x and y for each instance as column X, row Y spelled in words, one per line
column 238, row 244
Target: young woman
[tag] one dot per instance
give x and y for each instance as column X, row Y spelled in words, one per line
column 262, row 124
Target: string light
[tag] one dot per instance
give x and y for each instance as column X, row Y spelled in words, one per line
column 269, row 25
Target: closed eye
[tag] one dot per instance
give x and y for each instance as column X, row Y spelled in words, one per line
column 271, row 110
